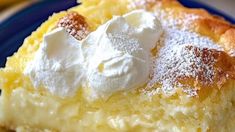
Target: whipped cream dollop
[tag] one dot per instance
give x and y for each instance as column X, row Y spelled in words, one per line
column 115, row 57
column 57, row 65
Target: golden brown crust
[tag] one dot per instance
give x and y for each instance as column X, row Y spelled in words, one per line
column 205, row 24
column 222, row 65
column 221, row 32
column 208, row 25
column 215, row 28
column 202, row 22
column 227, row 39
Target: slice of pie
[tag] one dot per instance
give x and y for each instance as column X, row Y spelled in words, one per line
column 123, row 65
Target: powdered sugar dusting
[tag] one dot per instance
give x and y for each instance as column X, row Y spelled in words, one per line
column 183, row 55
column 124, row 42
column 135, row 4
column 167, row 17
column 168, row 20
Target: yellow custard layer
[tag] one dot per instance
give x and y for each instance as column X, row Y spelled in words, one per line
column 24, row 110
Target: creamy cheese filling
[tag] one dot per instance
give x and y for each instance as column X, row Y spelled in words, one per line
column 115, row 57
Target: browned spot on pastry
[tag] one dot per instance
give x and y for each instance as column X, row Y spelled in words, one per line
column 75, row 24
column 227, row 40
column 220, row 65
column 194, row 70
column 211, row 27
column 203, row 65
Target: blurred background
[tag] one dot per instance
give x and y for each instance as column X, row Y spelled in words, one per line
column 226, row 6
column 9, row 7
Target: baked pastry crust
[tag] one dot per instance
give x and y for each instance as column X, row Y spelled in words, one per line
column 211, row 109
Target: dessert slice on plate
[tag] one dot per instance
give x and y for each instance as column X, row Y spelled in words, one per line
column 128, row 65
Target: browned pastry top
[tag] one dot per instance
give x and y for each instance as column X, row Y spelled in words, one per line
column 75, row 24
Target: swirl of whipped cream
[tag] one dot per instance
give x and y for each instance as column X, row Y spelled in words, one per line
column 122, row 56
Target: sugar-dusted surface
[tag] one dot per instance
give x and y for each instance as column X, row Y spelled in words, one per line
column 182, row 55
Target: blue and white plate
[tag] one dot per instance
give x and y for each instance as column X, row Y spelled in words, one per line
column 19, row 26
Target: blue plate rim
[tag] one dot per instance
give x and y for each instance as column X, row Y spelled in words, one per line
column 11, row 31
column 210, row 9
